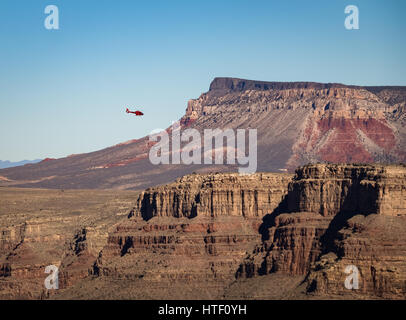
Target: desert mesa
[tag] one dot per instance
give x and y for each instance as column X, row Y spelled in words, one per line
column 296, row 122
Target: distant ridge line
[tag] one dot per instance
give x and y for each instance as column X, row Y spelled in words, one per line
column 239, row 85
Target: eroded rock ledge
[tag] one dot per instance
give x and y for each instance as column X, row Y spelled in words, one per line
column 335, row 216
column 215, row 195
column 206, row 231
column 201, row 236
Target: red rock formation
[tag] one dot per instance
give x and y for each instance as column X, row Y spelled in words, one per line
column 376, row 245
column 198, row 236
column 194, row 231
column 211, row 195
column 205, row 231
column 297, row 123
column 340, row 215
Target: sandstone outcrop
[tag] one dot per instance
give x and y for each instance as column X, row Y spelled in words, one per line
column 202, row 234
column 375, row 245
column 215, row 195
column 191, row 234
column 339, row 215
column 217, row 235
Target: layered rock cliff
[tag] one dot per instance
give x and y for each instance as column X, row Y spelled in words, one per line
column 191, row 235
column 213, row 236
column 338, row 216
column 205, row 234
column 319, row 122
column 297, row 123
column 214, row 195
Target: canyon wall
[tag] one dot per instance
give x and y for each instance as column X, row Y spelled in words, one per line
column 215, row 195
column 213, row 236
column 191, row 235
column 202, row 233
column 338, row 216
column 333, row 189
column 296, row 122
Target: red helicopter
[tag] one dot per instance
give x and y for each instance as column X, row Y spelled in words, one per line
column 137, row 113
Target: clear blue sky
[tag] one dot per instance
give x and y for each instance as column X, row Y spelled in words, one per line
column 64, row 91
